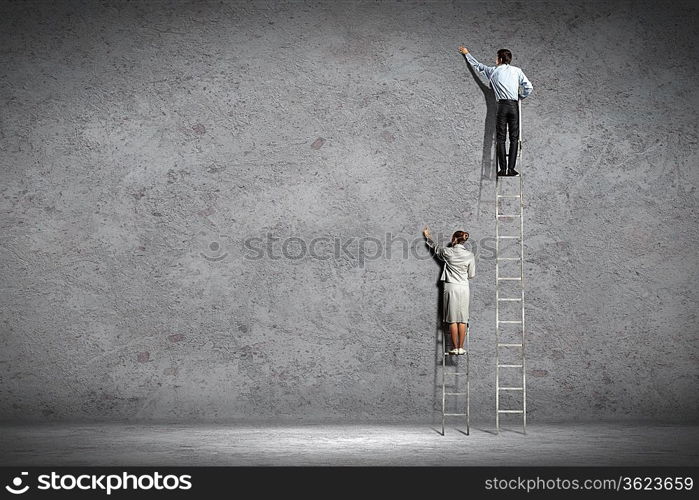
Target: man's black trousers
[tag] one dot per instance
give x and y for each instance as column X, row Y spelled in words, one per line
column 507, row 118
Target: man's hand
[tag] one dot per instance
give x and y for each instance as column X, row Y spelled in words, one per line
column 426, row 232
column 463, row 50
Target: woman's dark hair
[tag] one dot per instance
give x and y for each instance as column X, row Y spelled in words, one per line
column 505, row 56
column 459, row 237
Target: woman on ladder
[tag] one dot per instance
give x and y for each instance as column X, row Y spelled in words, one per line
column 459, row 267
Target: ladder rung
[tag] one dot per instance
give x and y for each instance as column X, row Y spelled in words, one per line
column 455, row 414
column 510, row 388
column 510, row 411
column 455, row 393
column 509, row 366
column 509, row 321
column 510, row 300
column 508, row 258
column 508, row 215
column 510, row 279
column 509, row 196
column 510, row 345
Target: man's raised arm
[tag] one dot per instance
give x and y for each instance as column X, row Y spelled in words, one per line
column 486, row 70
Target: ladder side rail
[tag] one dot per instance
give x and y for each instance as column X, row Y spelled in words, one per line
column 444, row 369
column 521, row 271
column 497, row 306
column 468, row 377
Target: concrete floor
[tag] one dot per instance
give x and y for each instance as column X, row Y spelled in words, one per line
column 219, row 444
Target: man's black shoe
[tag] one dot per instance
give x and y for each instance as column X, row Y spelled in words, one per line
column 502, row 173
column 512, row 173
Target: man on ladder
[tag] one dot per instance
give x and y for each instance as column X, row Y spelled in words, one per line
column 509, row 84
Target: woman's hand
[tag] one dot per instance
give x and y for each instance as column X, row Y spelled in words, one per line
column 463, row 50
column 426, row 232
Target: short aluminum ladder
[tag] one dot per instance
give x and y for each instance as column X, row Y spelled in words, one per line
column 453, row 361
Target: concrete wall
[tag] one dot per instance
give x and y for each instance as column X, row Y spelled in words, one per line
column 196, row 199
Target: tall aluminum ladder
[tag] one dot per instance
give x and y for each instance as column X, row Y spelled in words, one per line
column 514, row 192
column 456, row 373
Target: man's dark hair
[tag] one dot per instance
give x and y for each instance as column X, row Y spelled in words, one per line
column 505, row 56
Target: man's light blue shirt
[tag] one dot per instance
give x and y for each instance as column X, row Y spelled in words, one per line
column 508, row 82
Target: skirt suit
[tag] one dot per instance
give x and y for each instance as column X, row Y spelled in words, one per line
column 459, row 267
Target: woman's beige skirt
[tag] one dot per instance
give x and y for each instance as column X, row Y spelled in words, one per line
column 455, row 298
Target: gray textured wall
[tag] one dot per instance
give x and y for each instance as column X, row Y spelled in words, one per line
column 144, row 143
